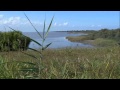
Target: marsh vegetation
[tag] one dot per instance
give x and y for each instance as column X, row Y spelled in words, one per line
column 101, row 62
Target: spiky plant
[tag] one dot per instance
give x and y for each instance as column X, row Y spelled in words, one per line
column 43, row 37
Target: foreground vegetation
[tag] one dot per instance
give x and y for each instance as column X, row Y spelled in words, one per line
column 67, row 63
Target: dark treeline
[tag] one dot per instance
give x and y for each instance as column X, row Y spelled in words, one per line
column 105, row 33
column 72, row 31
column 13, row 41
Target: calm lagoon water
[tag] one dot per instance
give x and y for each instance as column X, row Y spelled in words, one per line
column 58, row 40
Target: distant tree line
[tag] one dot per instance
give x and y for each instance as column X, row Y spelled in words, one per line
column 13, row 41
column 106, row 33
column 103, row 33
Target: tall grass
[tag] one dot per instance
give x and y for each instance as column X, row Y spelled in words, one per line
column 67, row 63
column 16, row 69
column 105, row 42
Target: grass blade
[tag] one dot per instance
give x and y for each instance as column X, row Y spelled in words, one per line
column 44, row 30
column 33, row 25
column 29, row 69
column 34, row 50
column 36, row 42
column 29, row 55
column 46, row 46
column 30, row 63
column 49, row 27
column 19, row 62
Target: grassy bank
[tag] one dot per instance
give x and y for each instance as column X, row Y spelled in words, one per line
column 99, row 42
column 77, row 38
column 63, row 64
column 100, row 38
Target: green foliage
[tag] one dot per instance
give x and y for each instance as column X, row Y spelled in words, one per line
column 106, row 33
column 13, row 41
column 101, row 38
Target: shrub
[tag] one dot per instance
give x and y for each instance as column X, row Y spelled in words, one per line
column 13, row 41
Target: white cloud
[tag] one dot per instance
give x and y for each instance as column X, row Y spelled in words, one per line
column 95, row 25
column 1, row 16
column 22, row 23
column 36, row 23
column 17, row 21
column 66, row 23
column 60, row 25
column 55, row 24
column 99, row 25
column 92, row 25
column 11, row 20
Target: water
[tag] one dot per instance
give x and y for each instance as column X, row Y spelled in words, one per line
column 58, row 40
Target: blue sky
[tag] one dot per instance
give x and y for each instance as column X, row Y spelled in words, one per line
column 64, row 20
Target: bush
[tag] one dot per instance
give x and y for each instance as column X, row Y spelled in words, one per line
column 106, row 33
column 13, row 41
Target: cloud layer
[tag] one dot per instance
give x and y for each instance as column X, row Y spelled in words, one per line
column 16, row 21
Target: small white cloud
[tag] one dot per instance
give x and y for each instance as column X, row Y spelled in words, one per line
column 1, row 16
column 37, row 23
column 73, row 25
column 11, row 20
column 15, row 20
column 99, row 25
column 60, row 25
column 66, row 23
column 55, row 24
column 92, row 25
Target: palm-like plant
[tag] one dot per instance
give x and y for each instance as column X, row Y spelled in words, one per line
column 43, row 37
